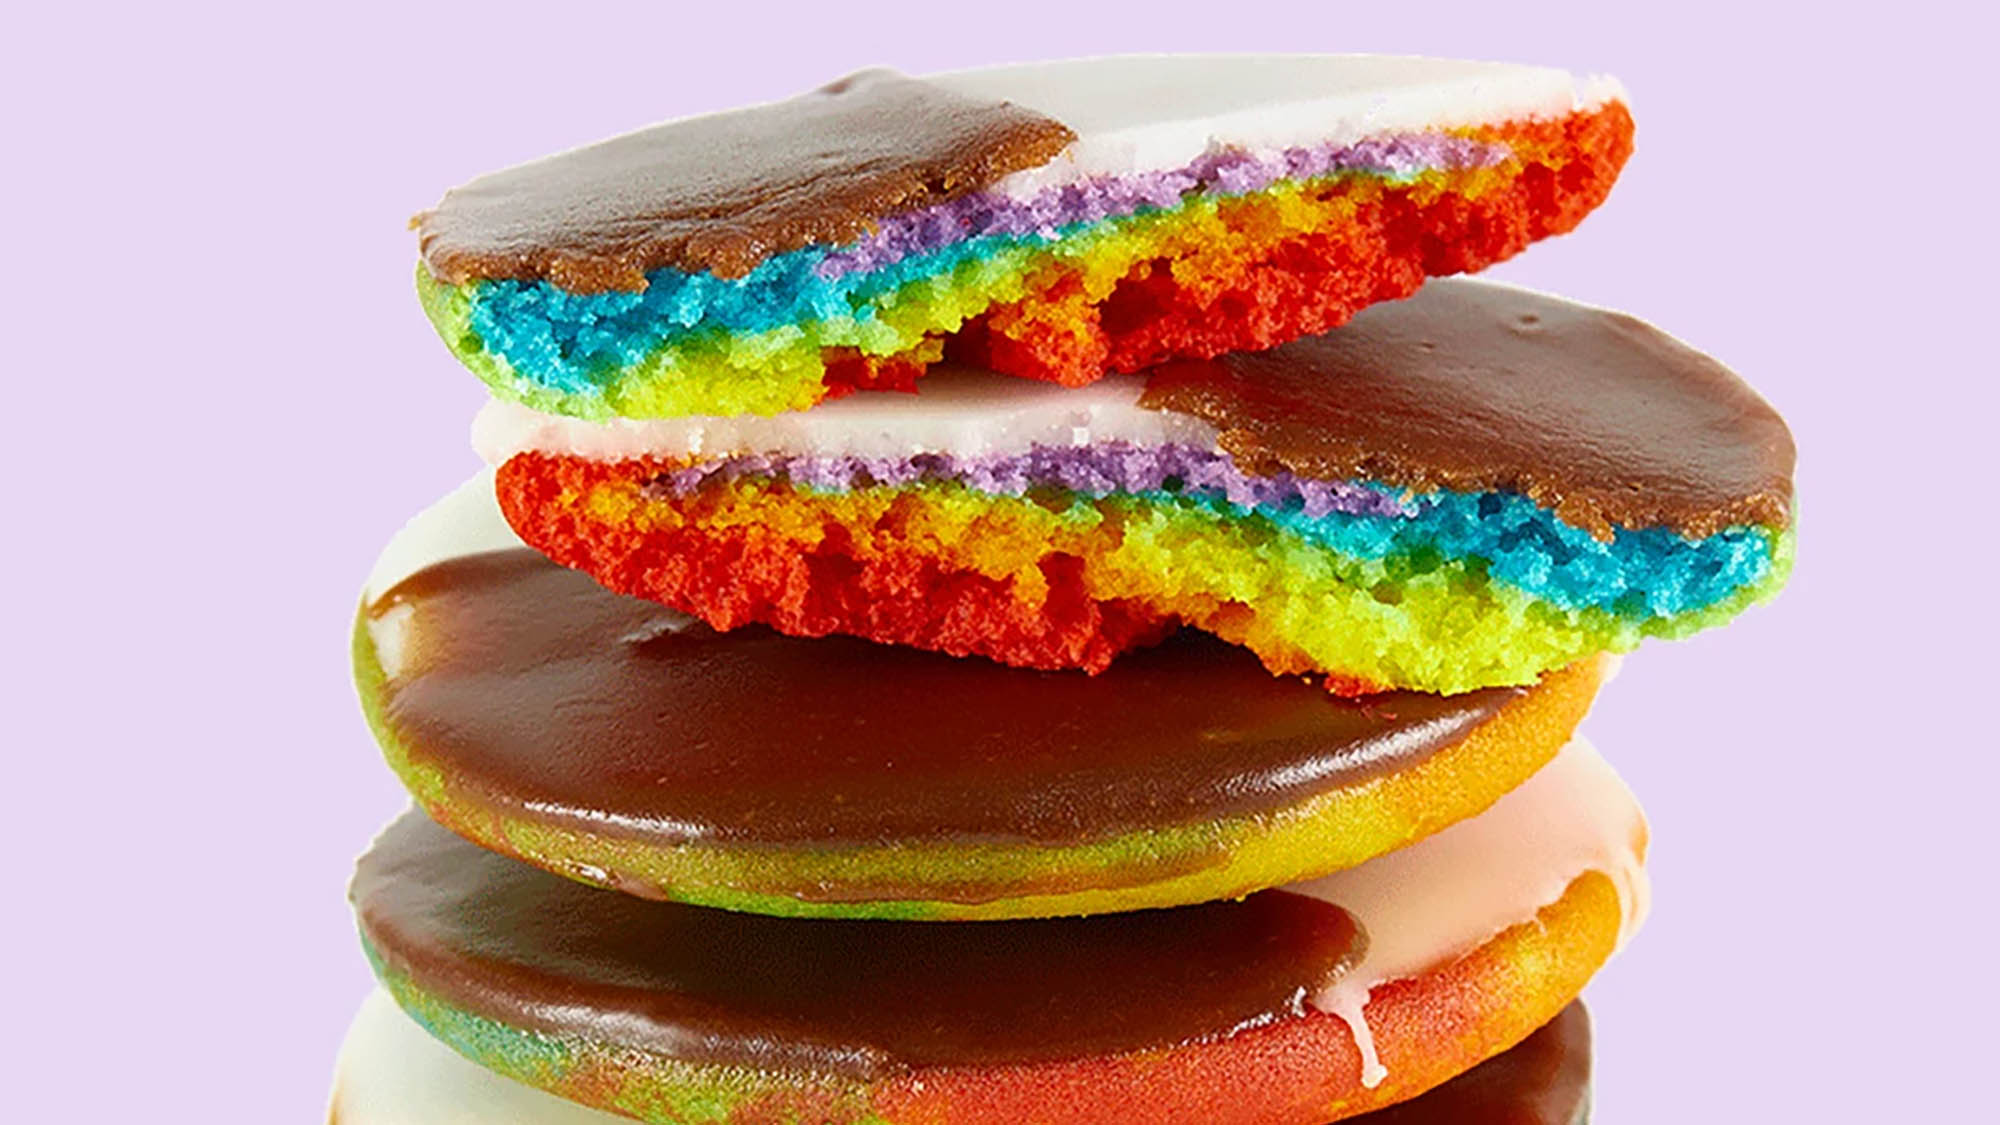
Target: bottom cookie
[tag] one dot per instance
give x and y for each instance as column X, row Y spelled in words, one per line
column 391, row 1072
column 1321, row 1000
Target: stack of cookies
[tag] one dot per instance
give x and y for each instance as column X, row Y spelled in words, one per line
column 1007, row 597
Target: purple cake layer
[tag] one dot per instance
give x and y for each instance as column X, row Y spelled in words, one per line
column 1230, row 172
column 1094, row 470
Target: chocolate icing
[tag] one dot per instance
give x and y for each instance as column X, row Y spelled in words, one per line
column 861, row 999
column 561, row 703
column 1545, row 1080
column 1477, row 387
column 723, row 192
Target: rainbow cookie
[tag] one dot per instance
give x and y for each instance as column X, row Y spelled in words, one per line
column 620, row 743
column 1056, row 221
column 1471, row 487
column 1317, row 1002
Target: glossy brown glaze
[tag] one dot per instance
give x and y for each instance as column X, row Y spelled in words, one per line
column 535, row 951
column 563, row 704
column 1545, row 1080
column 723, row 192
column 1476, row 387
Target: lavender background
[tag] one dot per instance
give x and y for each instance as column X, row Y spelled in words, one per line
column 223, row 399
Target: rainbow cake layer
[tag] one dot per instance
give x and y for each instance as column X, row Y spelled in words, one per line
column 1206, row 205
column 1055, row 528
column 1453, row 591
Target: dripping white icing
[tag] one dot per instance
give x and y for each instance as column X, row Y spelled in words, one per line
column 1442, row 897
column 1351, row 1005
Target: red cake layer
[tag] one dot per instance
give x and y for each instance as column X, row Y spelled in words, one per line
column 736, row 576
column 1309, row 282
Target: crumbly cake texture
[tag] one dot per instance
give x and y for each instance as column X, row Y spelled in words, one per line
column 1304, row 1070
column 1220, row 859
column 1232, row 251
column 1455, row 591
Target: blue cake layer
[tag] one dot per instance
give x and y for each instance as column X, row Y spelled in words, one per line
column 572, row 343
column 1641, row 573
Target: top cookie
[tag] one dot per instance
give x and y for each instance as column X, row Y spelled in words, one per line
column 1057, row 221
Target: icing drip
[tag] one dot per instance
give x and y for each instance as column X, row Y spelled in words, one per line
column 1351, row 1005
column 1483, row 875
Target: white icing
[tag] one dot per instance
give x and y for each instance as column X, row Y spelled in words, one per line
column 1422, row 907
column 465, row 522
column 391, row 1072
column 960, row 412
column 1149, row 113
column 1444, row 896
column 390, row 633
